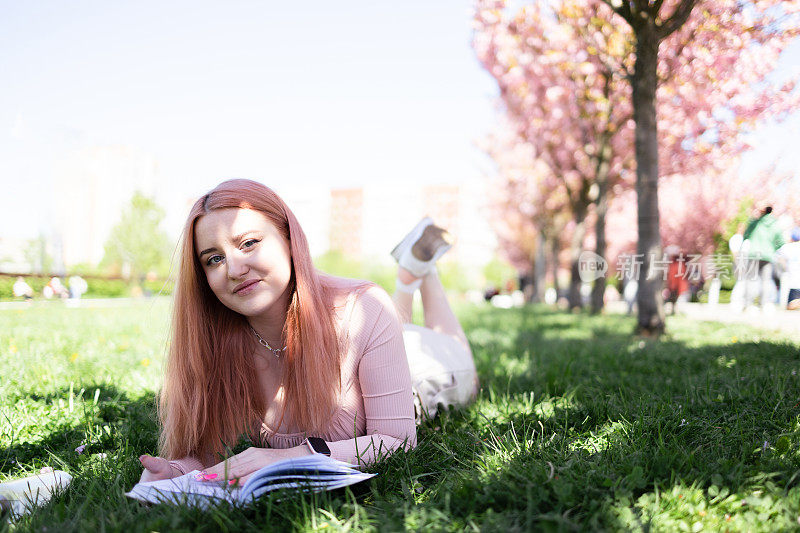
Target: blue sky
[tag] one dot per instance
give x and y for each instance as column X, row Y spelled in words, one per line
column 326, row 93
column 305, row 93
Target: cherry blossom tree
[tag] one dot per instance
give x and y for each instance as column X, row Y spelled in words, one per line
column 566, row 101
column 529, row 210
column 704, row 64
column 711, row 59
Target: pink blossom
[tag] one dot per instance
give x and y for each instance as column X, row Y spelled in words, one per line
column 561, row 67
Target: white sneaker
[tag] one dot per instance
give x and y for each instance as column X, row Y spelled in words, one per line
column 409, row 240
column 422, row 247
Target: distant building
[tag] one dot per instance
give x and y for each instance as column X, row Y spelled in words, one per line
column 346, row 221
column 442, row 203
column 366, row 222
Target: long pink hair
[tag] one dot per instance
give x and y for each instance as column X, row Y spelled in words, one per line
column 211, row 395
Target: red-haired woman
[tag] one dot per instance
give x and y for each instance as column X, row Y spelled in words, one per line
column 264, row 345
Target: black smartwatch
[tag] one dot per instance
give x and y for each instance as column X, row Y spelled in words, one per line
column 318, row 445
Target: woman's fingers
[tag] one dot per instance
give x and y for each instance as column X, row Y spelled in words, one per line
column 155, row 464
column 155, row 468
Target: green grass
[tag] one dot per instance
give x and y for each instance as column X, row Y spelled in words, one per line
column 578, row 426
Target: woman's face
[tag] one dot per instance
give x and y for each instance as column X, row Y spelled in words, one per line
column 246, row 260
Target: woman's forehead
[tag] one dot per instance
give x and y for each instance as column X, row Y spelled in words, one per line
column 228, row 222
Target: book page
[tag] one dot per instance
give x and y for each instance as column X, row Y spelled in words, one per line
column 311, row 473
column 183, row 489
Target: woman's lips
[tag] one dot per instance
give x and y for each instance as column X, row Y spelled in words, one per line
column 246, row 287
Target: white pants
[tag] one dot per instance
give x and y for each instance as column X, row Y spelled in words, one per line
column 442, row 371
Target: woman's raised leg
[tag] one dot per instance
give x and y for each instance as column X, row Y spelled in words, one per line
column 416, row 256
column 443, row 372
column 436, row 308
column 403, row 296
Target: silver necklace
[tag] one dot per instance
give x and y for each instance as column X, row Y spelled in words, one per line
column 277, row 352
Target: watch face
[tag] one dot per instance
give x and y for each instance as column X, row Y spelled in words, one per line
column 319, row 445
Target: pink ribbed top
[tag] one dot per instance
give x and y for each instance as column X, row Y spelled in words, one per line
column 376, row 409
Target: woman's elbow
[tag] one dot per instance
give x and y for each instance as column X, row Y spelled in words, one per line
column 410, row 441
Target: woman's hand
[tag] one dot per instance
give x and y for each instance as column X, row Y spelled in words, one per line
column 241, row 465
column 156, row 468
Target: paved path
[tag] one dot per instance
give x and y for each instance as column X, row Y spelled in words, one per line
column 776, row 320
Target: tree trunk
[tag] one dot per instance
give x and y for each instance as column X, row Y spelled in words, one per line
column 575, row 249
column 601, row 178
column 554, row 249
column 644, row 82
column 599, row 289
column 602, row 170
column 540, row 268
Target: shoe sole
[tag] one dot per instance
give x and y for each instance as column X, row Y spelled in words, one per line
column 416, row 265
column 411, row 238
column 440, row 251
column 445, row 243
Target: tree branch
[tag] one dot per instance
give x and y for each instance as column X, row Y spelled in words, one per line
column 624, row 10
column 676, row 20
column 606, row 132
column 556, row 169
column 608, row 61
column 676, row 54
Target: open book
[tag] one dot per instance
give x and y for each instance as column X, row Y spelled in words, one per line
column 312, row 473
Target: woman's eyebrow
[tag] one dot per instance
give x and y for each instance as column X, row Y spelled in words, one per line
column 233, row 239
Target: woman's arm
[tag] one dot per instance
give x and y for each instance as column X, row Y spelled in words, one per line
column 385, row 382
column 377, row 335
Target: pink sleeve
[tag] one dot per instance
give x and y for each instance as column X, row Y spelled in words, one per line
column 191, row 462
column 385, row 382
column 187, row 464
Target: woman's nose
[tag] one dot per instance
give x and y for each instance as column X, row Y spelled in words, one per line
column 237, row 267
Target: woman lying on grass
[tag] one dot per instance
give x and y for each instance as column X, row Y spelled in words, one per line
column 301, row 362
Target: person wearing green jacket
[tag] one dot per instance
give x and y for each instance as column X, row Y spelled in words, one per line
column 761, row 239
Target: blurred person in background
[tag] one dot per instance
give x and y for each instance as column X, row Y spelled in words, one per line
column 677, row 279
column 55, row 289
column 22, row 289
column 77, row 287
column 762, row 238
column 629, row 291
column 788, row 258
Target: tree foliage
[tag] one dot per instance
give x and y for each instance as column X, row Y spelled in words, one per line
column 137, row 244
column 38, row 256
column 666, row 88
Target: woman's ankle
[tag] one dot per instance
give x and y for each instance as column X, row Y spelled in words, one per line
column 405, row 276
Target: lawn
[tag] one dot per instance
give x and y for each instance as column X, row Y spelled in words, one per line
column 578, row 426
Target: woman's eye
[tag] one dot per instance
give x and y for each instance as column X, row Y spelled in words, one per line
column 213, row 260
column 249, row 243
